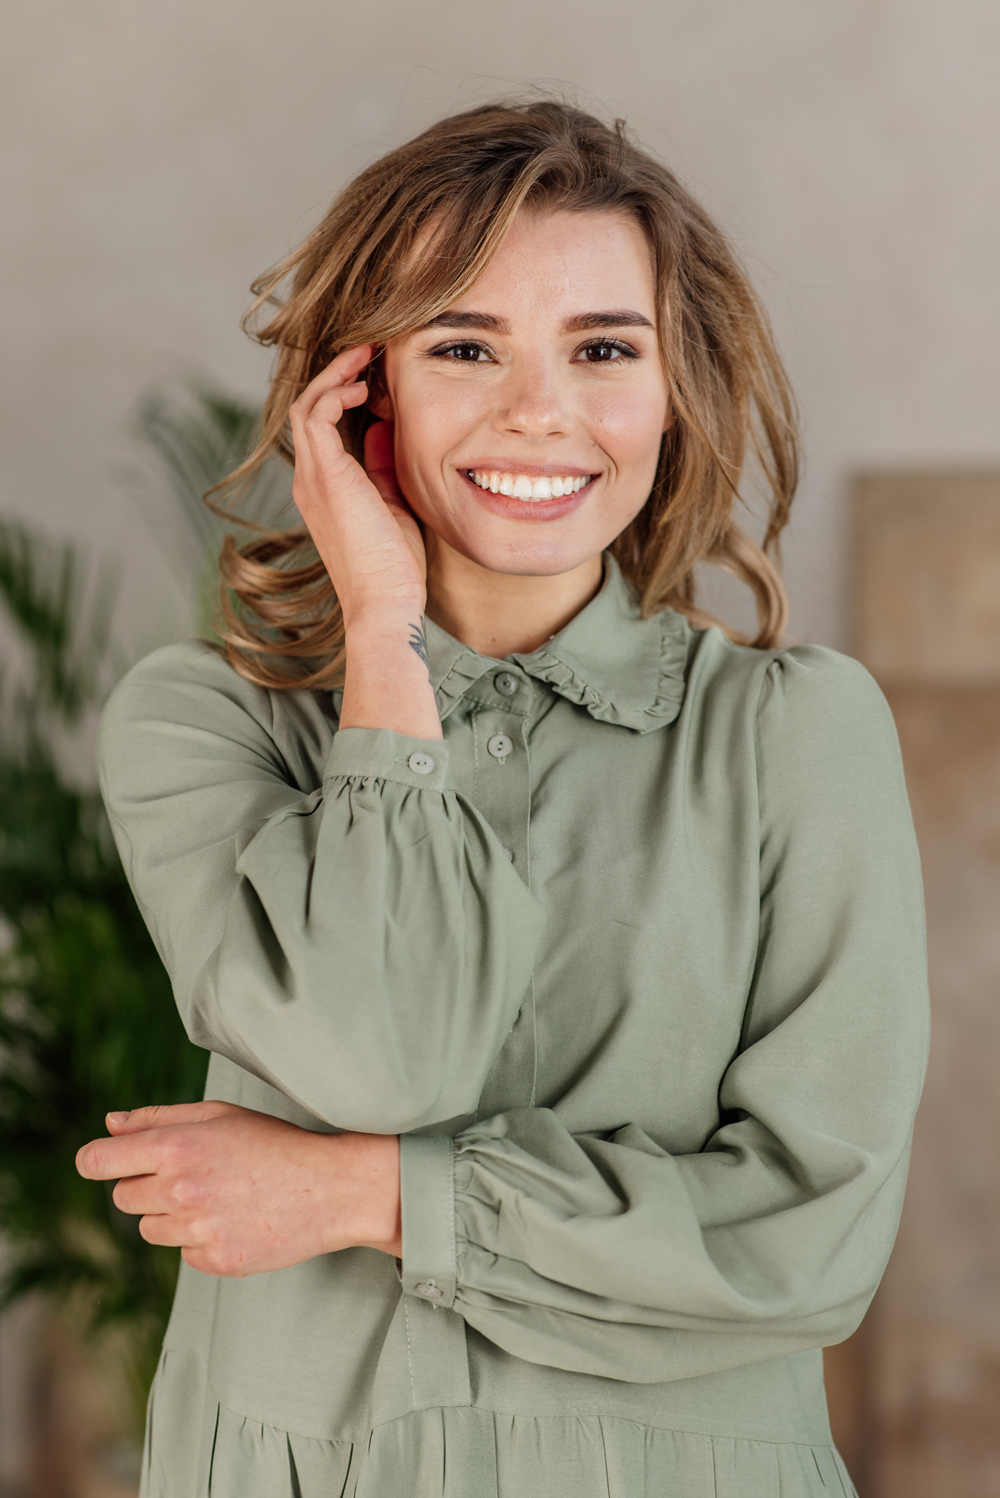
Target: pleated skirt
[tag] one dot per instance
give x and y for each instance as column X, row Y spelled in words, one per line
column 470, row 1452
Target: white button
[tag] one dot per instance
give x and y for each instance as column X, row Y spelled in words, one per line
column 505, row 683
column 420, row 763
column 429, row 1290
column 510, row 853
column 499, row 745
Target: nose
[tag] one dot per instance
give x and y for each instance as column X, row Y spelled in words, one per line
column 532, row 401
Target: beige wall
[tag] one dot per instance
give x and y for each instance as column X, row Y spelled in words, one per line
column 156, row 156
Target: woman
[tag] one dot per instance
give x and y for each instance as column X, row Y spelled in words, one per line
column 560, row 956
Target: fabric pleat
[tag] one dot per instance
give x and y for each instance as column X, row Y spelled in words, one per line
column 477, row 1453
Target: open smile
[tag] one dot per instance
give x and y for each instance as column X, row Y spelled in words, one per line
column 528, row 487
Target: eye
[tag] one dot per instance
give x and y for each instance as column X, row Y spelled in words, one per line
column 463, row 353
column 606, row 351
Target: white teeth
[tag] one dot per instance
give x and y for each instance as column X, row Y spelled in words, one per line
column 520, row 486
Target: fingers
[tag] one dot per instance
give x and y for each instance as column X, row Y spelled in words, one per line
column 322, row 403
column 139, row 1194
column 143, row 1140
column 327, row 409
column 215, row 1260
column 319, row 452
column 159, row 1227
column 110, row 1159
column 349, row 364
column 161, row 1114
column 380, row 463
column 336, row 379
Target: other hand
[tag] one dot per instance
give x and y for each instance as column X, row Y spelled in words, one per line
column 240, row 1192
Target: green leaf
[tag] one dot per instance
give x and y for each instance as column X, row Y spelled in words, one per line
column 87, row 1017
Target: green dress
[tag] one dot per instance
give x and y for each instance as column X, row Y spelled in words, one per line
column 634, row 963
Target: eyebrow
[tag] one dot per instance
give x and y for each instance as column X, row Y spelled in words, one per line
column 583, row 322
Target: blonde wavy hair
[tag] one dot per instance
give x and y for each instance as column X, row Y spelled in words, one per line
column 354, row 281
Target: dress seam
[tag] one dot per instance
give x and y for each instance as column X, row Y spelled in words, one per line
column 527, row 860
column 409, row 1354
column 601, row 1416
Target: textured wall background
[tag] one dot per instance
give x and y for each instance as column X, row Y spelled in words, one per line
column 156, row 157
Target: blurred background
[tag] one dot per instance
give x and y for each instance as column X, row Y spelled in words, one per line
column 154, row 160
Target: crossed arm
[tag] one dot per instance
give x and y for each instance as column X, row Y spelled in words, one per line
column 241, row 1192
column 238, row 1191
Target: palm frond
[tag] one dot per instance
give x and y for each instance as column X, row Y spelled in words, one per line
column 197, row 438
column 62, row 624
column 87, row 1018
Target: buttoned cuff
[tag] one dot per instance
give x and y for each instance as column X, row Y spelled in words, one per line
column 380, row 754
column 427, row 1191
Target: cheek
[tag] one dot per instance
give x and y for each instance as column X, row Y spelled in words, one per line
column 629, row 426
column 432, row 417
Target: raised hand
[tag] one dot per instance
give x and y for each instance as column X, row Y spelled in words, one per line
column 240, row 1192
column 373, row 549
column 362, row 527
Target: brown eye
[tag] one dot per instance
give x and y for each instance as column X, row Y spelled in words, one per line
column 462, row 353
column 607, row 351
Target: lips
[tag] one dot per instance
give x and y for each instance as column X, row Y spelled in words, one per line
column 512, row 494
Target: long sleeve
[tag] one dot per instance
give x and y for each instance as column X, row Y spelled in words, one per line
column 606, row 1254
column 362, row 946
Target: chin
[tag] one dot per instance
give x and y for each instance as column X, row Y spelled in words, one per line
column 525, row 556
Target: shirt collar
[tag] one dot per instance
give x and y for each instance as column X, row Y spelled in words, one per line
column 622, row 668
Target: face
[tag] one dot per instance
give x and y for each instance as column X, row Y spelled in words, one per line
column 528, row 417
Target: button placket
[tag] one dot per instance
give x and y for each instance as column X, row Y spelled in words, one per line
column 503, row 701
column 505, row 801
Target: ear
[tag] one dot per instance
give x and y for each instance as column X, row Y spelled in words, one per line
column 380, row 404
column 379, row 400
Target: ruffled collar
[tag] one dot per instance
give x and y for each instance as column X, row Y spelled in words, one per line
column 622, row 668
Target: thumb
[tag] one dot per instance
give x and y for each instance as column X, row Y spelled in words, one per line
column 162, row 1115
column 380, row 463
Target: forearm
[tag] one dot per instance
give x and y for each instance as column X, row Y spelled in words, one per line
column 387, row 683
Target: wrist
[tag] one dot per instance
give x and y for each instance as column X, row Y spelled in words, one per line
column 380, row 618
column 387, row 680
column 369, row 1212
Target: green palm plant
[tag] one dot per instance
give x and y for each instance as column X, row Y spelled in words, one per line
column 87, row 1019
column 191, row 440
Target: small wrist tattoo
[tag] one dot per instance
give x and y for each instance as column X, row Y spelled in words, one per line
column 418, row 642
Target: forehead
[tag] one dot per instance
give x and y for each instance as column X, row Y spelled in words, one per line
column 559, row 262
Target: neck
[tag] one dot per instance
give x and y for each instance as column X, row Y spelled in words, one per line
column 500, row 613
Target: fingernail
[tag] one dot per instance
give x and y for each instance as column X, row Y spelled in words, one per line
column 118, row 1117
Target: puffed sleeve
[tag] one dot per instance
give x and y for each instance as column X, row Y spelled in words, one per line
column 605, row 1254
column 363, row 947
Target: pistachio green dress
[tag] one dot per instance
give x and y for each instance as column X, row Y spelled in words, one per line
column 633, row 960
